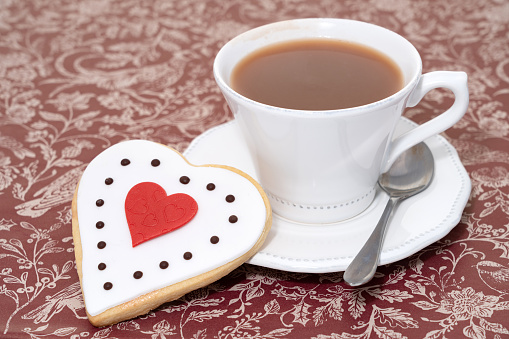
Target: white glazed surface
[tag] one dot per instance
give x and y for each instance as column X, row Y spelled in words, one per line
column 122, row 260
column 321, row 248
column 326, row 163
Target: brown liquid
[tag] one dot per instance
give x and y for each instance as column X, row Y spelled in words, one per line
column 316, row 74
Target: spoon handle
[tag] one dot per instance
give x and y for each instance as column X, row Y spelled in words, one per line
column 363, row 266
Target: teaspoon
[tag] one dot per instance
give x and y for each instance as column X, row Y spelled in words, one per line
column 410, row 174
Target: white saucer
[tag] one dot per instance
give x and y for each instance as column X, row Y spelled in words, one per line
column 319, row 248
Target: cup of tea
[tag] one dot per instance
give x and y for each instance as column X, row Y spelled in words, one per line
column 317, row 102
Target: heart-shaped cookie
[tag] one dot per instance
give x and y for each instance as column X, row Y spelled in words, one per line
column 149, row 227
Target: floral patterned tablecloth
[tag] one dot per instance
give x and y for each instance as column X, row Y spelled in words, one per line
column 79, row 76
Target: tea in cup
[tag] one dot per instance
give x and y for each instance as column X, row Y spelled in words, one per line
column 317, row 102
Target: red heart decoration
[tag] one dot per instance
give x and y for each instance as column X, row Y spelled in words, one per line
column 151, row 213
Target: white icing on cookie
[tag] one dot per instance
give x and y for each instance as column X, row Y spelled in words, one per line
column 121, row 260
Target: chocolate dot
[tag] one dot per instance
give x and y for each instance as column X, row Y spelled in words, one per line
column 184, row 180
column 108, row 181
column 155, row 162
column 233, row 219
column 138, row 274
column 214, row 240
column 211, row 187
column 163, row 265
column 101, row 266
column 125, row 162
column 99, row 202
column 99, row 225
column 230, row 198
column 101, row 245
column 108, row 286
column 188, row 255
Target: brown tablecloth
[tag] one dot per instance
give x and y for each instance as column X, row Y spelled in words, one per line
column 79, row 76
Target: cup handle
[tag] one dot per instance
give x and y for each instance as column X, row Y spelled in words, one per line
column 457, row 83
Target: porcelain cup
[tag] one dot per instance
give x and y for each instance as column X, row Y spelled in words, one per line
column 323, row 166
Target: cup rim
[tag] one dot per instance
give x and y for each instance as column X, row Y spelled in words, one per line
column 317, row 113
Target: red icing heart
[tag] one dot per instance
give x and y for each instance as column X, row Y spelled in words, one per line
column 151, row 213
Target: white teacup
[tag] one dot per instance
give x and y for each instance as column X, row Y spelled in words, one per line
column 323, row 166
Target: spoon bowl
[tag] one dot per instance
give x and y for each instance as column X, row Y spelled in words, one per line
column 410, row 174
